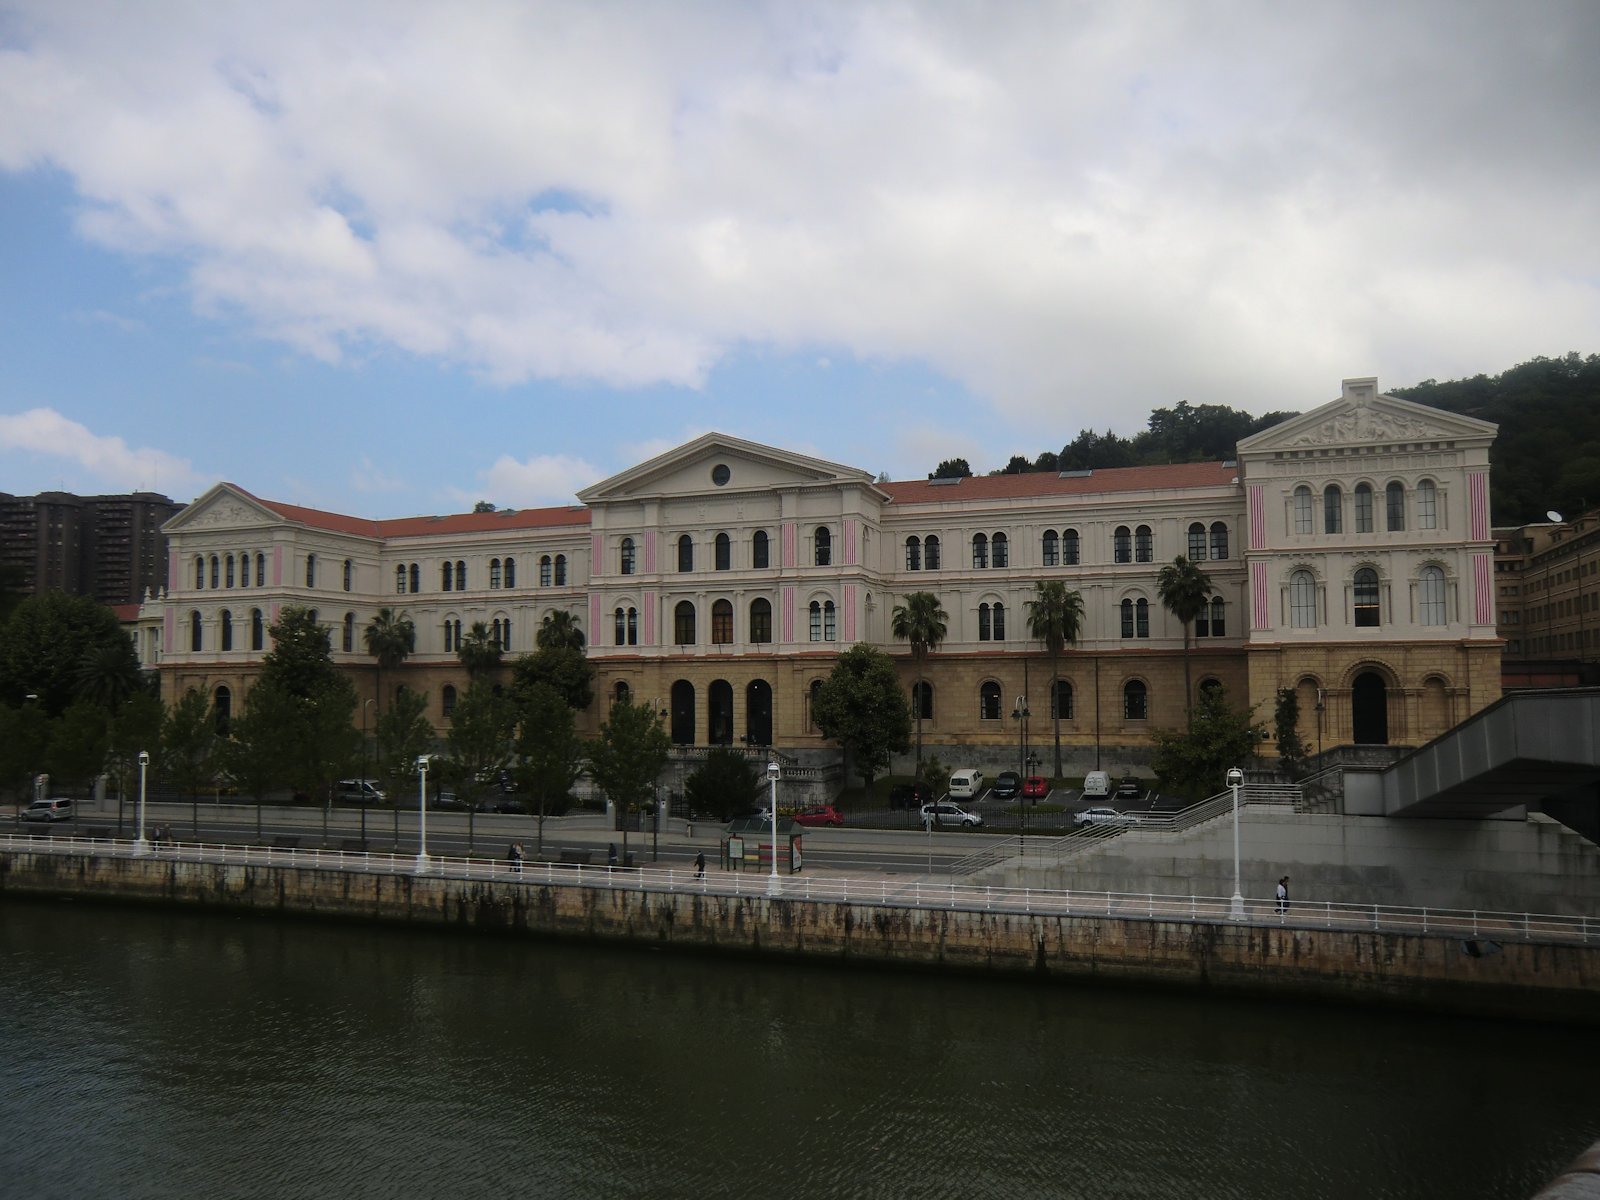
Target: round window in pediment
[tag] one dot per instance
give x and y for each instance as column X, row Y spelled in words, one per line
column 720, row 474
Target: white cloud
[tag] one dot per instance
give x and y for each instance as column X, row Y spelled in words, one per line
column 103, row 464
column 542, row 481
column 1077, row 211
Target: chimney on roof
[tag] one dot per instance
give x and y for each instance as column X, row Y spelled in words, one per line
column 1360, row 390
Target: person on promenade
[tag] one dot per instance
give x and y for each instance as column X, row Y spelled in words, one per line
column 514, row 854
column 1283, row 895
column 611, row 855
column 700, row 865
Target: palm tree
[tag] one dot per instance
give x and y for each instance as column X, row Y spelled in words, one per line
column 1055, row 617
column 1184, row 589
column 479, row 650
column 559, row 630
column 921, row 622
column 390, row 638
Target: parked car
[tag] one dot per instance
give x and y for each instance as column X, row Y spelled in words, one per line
column 966, row 784
column 950, row 814
column 819, row 814
column 910, row 795
column 1130, row 789
column 449, row 802
column 1097, row 783
column 1035, row 787
column 1006, row 786
column 501, row 803
column 358, row 791
column 56, row 808
column 1104, row 816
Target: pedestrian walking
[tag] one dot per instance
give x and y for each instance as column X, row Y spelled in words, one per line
column 700, row 865
column 514, row 856
column 611, row 854
column 1283, row 895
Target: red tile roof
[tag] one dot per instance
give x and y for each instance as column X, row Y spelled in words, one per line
column 403, row 527
column 1048, row 483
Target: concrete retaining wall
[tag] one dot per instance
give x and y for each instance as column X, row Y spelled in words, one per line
column 1535, row 982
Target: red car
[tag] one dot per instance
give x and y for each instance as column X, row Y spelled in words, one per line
column 1035, row 787
column 819, row 814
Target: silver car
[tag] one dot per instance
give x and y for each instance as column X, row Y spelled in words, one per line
column 58, row 808
column 949, row 814
column 1104, row 816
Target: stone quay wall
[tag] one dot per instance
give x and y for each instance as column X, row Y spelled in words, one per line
column 1508, row 979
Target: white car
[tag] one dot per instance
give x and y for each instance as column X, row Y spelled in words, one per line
column 949, row 814
column 1104, row 816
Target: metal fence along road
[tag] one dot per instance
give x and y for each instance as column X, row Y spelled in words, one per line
column 888, row 890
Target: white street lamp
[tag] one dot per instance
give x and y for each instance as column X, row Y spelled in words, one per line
column 422, row 811
column 773, row 771
column 141, row 844
column 1235, row 781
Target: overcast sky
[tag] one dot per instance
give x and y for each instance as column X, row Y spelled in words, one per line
column 394, row 258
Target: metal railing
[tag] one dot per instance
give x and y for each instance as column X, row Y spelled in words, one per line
column 1473, row 926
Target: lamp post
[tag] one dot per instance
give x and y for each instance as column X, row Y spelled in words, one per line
column 773, row 770
column 422, row 811
column 364, row 746
column 141, row 844
column 1319, row 728
column 1235, row 781
column 1020, row 713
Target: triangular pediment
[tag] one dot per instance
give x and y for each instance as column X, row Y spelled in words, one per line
column 1362, row 415
column 225, row 506
column 717, row 464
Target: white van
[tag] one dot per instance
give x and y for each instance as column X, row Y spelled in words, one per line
column 1097, row 783
column 966, row 784
column 358, row 791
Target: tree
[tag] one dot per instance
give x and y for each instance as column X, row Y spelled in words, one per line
column 390, row 638
column 78, row 745
column 725, row 785
column 860, row 706
column 563, row 668
column 188, row 744
column 479, row 652
column 108, row 673
column 628, row 757
column 44, row 645
column 135, row 727
column 1055, row 617
column 24, row 742
column 481, row 729
column 321, row 741
column 1195, row 763
column 252, row 756
column 549, row 754
column 952, row 468
column 559, row 630
column 1184, row 590
column 922, row 622
column 483, row 506
column 1286, row 729
column 404, row 735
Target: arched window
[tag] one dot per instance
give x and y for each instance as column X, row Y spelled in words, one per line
column 761, row 621
column 1197, row 542
column 311, row 571
column 244, row 568
column 722, row 623
column 980, row 551
column 222, row 710
column 627, row 627
column 258, row 630
column 194, row 630
column 1211, row 619
column 1366, row 597
column 683, row 623
column 922, row 701
column 1363, row 508
column 225, row 632
column 619, row 636
column 626, row 556
column 1061, row 700
column 633, row 626
column 1219, row 617
column 1127, row 618
column 913, row 553
column 349, row 574
column 685, row 553
column 1050, row 549
column 1219, row 541
column 511, row 572
column 1001, row 546
column 261, row 570
column 447, row 697
column 722, row 555
column 199, row 572
column 1427, row 505
column 561, row 570
column 999, row 622
column 984, row 627
column 812, row 693
column 1302, row 509
column 1141, row 617
column 1143, row 545
column 1332, row 509
column 830, row 629
column 349, row 632
column 546, row 570
column 447, row 577
column 227, row 571
column 1122, row 545
column 930, row 552
column 760, row 551
column 824, row 546
column 621, row 694
column 1303, row 600
column 1430, row 596
column 1135, row 701
column 400, row 580
column 1394, row 507
column 1069, row 548
column 452, row 636
column 989, row 701
column 461, row 575
column 494, row 573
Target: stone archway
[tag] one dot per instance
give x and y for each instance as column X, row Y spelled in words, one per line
column 758, row 712
column 1369, row 709
column 719, row 713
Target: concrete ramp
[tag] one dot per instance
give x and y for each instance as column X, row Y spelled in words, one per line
column 1521, row 750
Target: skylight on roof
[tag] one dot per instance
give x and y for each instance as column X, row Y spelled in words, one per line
column 947, row 482
column 1084, row 474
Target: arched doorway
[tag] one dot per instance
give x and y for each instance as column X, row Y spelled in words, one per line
column 758, row 712
column 683, row 713
column 719, row 713
column 1369, row 710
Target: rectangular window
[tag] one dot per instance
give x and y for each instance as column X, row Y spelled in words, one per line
column 1069, row 548
column 1363, row 509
